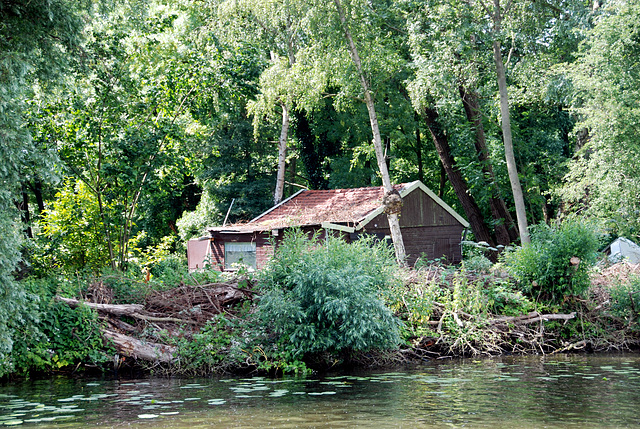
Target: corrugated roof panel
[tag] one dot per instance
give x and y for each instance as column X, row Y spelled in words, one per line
column 350, row 207
column 314, row 207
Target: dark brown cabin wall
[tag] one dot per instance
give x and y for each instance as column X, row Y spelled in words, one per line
column 418, row 209
column 433, row 241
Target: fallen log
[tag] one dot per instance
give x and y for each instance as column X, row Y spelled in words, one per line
column 117, row 323
column 132, row 310
column 116, row 309
column 575, row 346
column 546, row 317
column 137, row 349
column 531, row 318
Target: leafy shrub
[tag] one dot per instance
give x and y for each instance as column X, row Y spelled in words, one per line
column 423, row 262
column 323, row 295
column 56, row 336
column 415, row 302
column 477, row 263
column 503, row 299
column 625, row 301
column 207, row 350
column 545, row 268
column 72, row 231
column 128, row 287
column 135, row 284
column 235, row 345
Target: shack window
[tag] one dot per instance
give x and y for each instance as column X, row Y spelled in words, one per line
column 239, row 253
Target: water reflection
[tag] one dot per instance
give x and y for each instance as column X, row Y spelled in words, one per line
column 554, row 392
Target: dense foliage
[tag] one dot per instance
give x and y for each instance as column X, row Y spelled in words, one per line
column 53, row 335
column 603, row 176
column 37, row 41
column 557, row 262
column 625, row 301
column 326, row 295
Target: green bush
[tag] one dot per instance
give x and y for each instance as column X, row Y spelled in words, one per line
column 477, row 263
column 55, row 336
column 625, row 301
column 544, row 268
column 503, row 299
column 207, row 351
column 324, row 295
column 132, row 287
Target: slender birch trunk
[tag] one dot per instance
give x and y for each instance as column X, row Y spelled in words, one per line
column 282, row 155
column 392, row 215
column 284, row 130
column 512, row 168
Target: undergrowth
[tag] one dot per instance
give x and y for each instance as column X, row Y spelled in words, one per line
column 325, row 302
column 557, row 262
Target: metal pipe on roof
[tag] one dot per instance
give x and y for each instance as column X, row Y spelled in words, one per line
column 233, row 200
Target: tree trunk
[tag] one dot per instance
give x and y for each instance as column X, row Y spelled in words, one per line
column 23, row 206
column 392, row 214
column 419, row 152
column 505, row 230
column 282, row 155
column 144, row 350
column 471, row 209
column 115, row 309
column 516, row 188
column 443, row 180
column 36, row 188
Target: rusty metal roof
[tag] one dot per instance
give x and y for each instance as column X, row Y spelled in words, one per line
column 315, row 207
column 348, row 207
column 311, row 207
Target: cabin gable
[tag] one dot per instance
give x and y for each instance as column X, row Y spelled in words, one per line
column 418, row 209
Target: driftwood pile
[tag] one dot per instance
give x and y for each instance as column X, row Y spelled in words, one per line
column 455, row 332
column 136, row 330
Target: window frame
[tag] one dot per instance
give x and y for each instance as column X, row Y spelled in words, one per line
column 252, row 253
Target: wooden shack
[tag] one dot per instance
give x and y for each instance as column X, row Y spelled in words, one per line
column 429, row 226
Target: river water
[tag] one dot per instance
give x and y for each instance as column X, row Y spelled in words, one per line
column 594, row 391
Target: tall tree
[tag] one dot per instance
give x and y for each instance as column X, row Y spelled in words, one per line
column 392, row 199
column 130, row 129
column 504, row 229
column 497, row 13
column 275, row 25
column 37, row 40
column 469, row 204
column 438, row 44
column 604, row 176
column 236, row 162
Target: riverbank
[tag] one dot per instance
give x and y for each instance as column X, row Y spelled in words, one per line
column 212, row 328
column 325, row 304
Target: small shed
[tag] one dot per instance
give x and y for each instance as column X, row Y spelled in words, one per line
column 429, row 226
column 623, row 248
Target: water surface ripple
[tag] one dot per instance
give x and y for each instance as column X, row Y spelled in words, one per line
column 526, row 392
